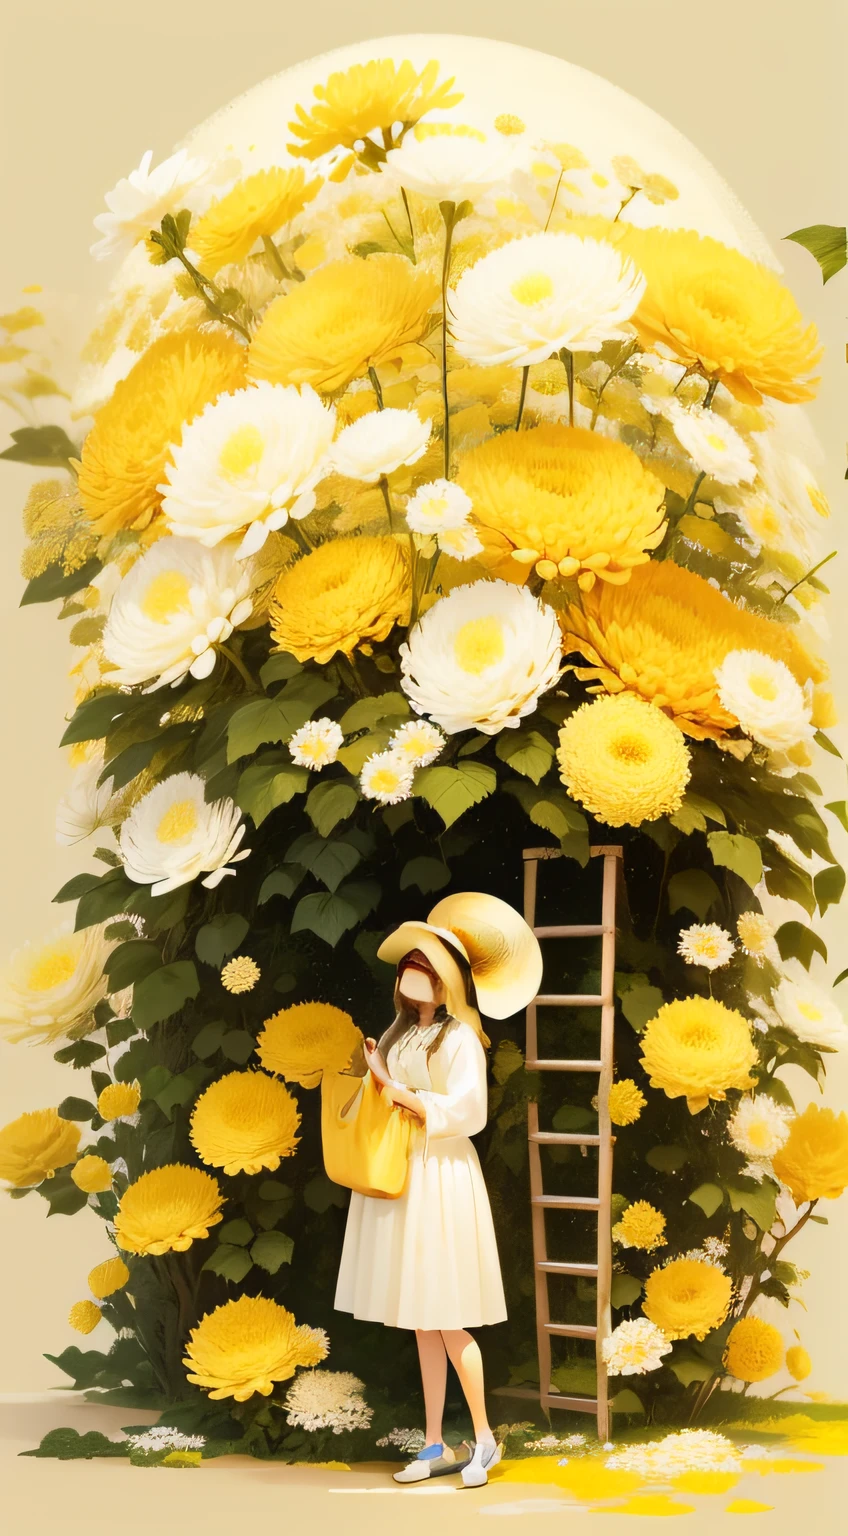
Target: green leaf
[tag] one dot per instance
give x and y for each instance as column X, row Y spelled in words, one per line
column 527, row 752
column 688, row 1368
column 784, row 878
column 549, row 808
column 329, row 803
column 756, row 1200
column 276, row 719
column 739, row 853
column 366, row 712
column 281, row 882
column 325, row 914
column 826, row 744
column 54, row 584
column 693, row 889
column 77, row 1109
column 640, row 1004
column 708, row 1197
column 220, row 937
column 70, row 1445
column 279, row 668
column 829, row 885
column 425, row 873
column 625, row 1290
column 238, row 1046
column 92, row 718
column 827, row 243
column 77, row 886
column 179, row 1089
column 110, row 896
column 271, row 1250
column 49, row 447
column 667, row 1159
column 164, row 992
column 452, row 791
column 131, row 962
column 319, row 1194
column 229, row 1261
column 239, row 1232
column 269, row 783
column 208, row 1041
column 362, row 895
column 273, row 1190
column 330, row 860
column 626, row 1401
column 80, row 1054
column 62, row 1196
column 839, row 809
column 572, row 1117
column 841, row 977
column 694, row 814
column 796, row 941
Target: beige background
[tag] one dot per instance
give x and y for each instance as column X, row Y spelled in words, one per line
column 85, row 88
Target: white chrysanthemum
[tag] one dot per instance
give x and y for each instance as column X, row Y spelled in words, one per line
column 379, row 443
column 328, row 1400
column 175, row 605
column 249, row 461
column 807, row 1010
column 759, row 1127
column 461, row 543
column 87, row 805
column 713, row 445
column 788, row 509
column 451, row 162
column 756, row 935
column 480, row 657
column 765, row 698
column 139, row 202
column 688, row 1450
column 437, row 506
column 526, row 300
column 49, row 988
column 173, row 835
column 317, row 743
column 706, row 944
column 387, row 777
column 418, row 743
column 633, row 1348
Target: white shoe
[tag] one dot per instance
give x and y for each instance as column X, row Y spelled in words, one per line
column 432, row 1461
column 487, row 1454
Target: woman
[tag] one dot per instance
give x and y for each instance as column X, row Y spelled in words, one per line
column 429, row 1260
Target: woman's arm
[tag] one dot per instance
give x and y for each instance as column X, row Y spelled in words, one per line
column 394, row 1092
column 462, row 1109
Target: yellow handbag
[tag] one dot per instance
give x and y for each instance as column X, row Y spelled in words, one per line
column 368, row 1149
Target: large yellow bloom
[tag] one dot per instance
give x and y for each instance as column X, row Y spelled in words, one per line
column 167, row 1208
column 349, row 316
column 303, row 1042
column 244, row 1122
column 687, row 1297
column 663, row 636
column 259, row 205
column 107, row 1278
column 367, row 97
column 125, row 453
column 246, row 1346
column 754, row 1349
column 567, row 500
column 343, row 593
column 697, row 1048
column 813, row 1162
column 35, row 1145
column 623, row 760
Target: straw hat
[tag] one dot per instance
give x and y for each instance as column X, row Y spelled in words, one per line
column 502, row 951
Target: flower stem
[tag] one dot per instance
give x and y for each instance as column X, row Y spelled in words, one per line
column 567, row 359
column 524, row 375
column 691, row 498
column 409, row 220
column 448, row 210
column 806, row 576
column 236, row 661
column 633, row 191
column 708, row 397
column 553, row 201
column 372, row 374
column 210, row 295
column 384, row 487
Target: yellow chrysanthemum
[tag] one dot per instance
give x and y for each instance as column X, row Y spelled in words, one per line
column 125, row 453
column 697, row 1048
column 723, row 313
column 566, row 501
column 244, row 1122
column 35, row 1145
column 663, row 636
column 107, row 1278
column 343, row 593
column 303, row 1042
column 347, row 317
column 365, row 99
column 84, row 1316
column 626, row 1102
column 240, row 974
column 687, row 1297
column 92, row 1174
column 641, row 1226
column 167, row 1208
column 117, row 1100
column 754, row 1350
column 246, row 1346
column 798, row 1363
column 623, row 760
column 259, row 205
column 813, row 1163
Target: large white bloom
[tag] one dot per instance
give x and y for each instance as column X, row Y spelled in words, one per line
column 759, row 1127
column 49, row 988
column 387, row 777
column 807, row 1010
column 316, row 744
column 173, row 834
column 713, row 445
column 327, row 1400
column 451, row 162
column 248, row 461
column 175, row 605
column 86, row 805
column 480, row 657
column 139, row 201
column 379, row 443
column 438, row 505
column 633, row 1348
column 535, row 295
column 770, row 705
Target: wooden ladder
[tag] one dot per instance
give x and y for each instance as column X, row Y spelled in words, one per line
column 601, row 1269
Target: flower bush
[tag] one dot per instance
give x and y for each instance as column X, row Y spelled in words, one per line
column 430, row 510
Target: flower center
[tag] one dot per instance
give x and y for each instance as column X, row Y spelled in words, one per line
column 716, row 442
column 811, row 1012
column 763, row 687
column 178, row 822
column 479, row 644
column 631, row 748
column 242, row 450
column 533, row 288
column 52, row 969
column 385, row 781
column 759, row 1135
column 435, row 507
column 167, row 595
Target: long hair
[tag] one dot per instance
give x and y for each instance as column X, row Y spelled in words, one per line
column 408, row 1014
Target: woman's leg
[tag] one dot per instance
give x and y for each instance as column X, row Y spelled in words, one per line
column 434, row 1374
column 464, row 1355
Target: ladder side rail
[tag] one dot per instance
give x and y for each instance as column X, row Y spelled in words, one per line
column 540, row 1255
column 605, row 1150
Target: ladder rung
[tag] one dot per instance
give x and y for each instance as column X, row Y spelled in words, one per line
column 564, row 1066
column 572, row 931
column 576, row 1404
column 567, row 1202
column 569, row 1000
column 573, row 1330
column 564, row 1139
column 554, row 1267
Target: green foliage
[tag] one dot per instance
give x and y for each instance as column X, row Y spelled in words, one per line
column 798, row 941
column 220, row 937
column 70, row 1445
column 164, row 993
column 708, row 1197
column 48, row 447
column 270, row 782
column 452, row 791
column 695, row 890
column 329, row 803
column 527, row 752
column 739, row 853
column 826, row 242
column 425, row 873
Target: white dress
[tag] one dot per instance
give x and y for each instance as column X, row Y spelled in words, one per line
column 430, row 1259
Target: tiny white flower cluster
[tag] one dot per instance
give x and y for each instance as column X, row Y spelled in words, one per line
column 409, row 1441
column 320, row 1399
column 160, row 1437
column 688, row 1450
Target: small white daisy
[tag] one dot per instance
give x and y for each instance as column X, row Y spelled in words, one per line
column 462, row 543
column 379, row 443
column 759, row 1127
column 713, row 445
column 437, row 506
column 418, row 742
column 387, row 777
column 317, row 743
column 706, row 944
